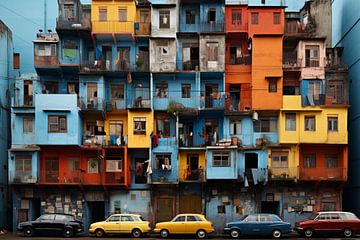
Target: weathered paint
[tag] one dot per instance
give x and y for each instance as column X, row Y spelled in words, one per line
column 213, row 66
column 312, row 72
column 183, row 165
column 161, row 61
column 140, row 141
column 170, row 32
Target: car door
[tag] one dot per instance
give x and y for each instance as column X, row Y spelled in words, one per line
column 191, row 225
column 59, row 222
column 264, row 225
column 44, row 222
column 249, row 225
column 126, row 224
column 112, row 224
column 177, row 226
column 334, row 223
column 321, row 222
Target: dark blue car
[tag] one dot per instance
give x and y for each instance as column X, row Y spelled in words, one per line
column 258, row 225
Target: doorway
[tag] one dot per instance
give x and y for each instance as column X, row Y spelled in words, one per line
column 211, row 132
column 186, row 131
column 251, row 160
column 164, row 209
column 234, row 97
column 210, row 91
column 192, row 164
column 96, row 211
column 107, row 57
column 190, row 204
column 270, row 207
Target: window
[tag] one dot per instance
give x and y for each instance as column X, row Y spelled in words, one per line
column 279, row 159
column 127, row 219
column 164, row 50
column 272, row 84
column 328, row 206
column 314, row 90
column 212, row 15
column 69, row 11
column 290, row 121
column 16, row 60
column 102, row 13
column 331, row 160
column 190, row 17
column 235, row 127
column 61, row 218
column 336, row 91
column 72, row 88
column 276, row 18
column 73, row 164
column 23, row 165
column 221, row 209
column 265, row 125
column 139, row 126
column 179, row 219
column 333, row 124
column 144, row 16
column 47, row 217
column 161, row 90
column 312, row 58
column 265, row 218
column 28, row 125
column 57, row 123
column 122, row 14
column 163, row 127
column 212, row 51
column 117, row 91
column 191, row 219
column 236, row 55
column 251, row 218
column 116, row 128
column 114, row 219
column 164, row 19
column 262, row 1
column 163, row 161
column 221, row 159
column 309, row 161
column 93, row 165
column 69, row 49
column 236, row 17
column 310, row 123
column 115, row 165
column 45, row 50
column 186, row 90
column 254, row 18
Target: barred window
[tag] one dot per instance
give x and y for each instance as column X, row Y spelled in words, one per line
column 221, row 159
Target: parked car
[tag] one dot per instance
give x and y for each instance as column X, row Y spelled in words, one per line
column 50, row 223
column 258, row 225
column 132, row 224
column 185, row 224
column 345, row 223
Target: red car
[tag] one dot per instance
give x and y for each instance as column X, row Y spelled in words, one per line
column 345, row 223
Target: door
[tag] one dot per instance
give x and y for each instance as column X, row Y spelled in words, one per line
column 251, row 162
column 45, row 222
column 210, row 91
column 190, row 204
column 92, row 95
column 270, row 207
column 107, row 55
column 191, row 225
column 178, row 225
column 22, row 215
column 96, row 211
column 164, row 209
column 112, row 225
column 123, row 60
column 265, row 224
column 52, row 169
column 186, row 134
column 192, row 167
column 234, row 97
column 211, row 132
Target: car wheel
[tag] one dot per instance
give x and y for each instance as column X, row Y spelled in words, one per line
column 308, row 233
column 164, row 233
column 276, row 234
column 68, row 232
column 347, row 232
column 99, row 233
column 28, row 232
column 201, row 234
column 234, row 233
column 136, row 233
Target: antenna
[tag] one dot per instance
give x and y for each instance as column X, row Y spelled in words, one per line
column 45, row 14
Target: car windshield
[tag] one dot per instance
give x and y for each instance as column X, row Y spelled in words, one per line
column 141, row 218
column 46, row 217
column 313, row 216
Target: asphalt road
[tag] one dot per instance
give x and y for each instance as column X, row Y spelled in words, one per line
column 11, row 236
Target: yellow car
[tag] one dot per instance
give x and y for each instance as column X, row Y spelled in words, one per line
column 185, row 224
column 121, row 223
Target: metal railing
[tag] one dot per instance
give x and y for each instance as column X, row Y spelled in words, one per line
column 292, row 63
column 73, row 23
column 256, row 174
column 68, row 177
column 195, row 175
column 283, row 173
column 91, row 103
column 140, row 98
column 115, row 104
column 22, row 177
column 46, row 61
column 212, row 27
column 114, row 178
column 243, row 60
column 321, row 173
column 214, row 101
column 25, row 101
column 190, row 65
column 94, row 141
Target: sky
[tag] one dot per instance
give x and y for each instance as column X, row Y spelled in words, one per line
column 26, row 17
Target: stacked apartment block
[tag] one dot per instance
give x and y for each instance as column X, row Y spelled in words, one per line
column 173, row 106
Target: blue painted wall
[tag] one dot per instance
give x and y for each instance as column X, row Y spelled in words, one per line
column 182, row 18
column 34, row 165
column 304, row 91
column 214, row 172
column 220, row 11
column 53, row 104
column 346, row 33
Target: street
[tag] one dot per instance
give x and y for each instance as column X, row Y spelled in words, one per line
column 11, row 236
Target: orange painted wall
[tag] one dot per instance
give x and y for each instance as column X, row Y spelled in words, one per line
column 266, row 21
column 243, row 27
column 266, row 62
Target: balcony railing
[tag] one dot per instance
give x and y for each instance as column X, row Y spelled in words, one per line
column 292, row 63
column 236, row 27
column 114, row 178
column 283, row 173
column 22, row 177
column 46, row 61
column 243, row 60
column 195, row 175
column 112, row 27
column 336, row 174
column 115, row 105
column 96, row 65
column 93, row 140
column 210, row 27
column 214, row 101
column 189, row 27
column 140, row 98
column 69, row 177
column 91, row 104
column 27, row 101
column 109, row 66
column 115, row 140
column 191, row 65
column 73, row 23
column 315, row 100
column 143, row 29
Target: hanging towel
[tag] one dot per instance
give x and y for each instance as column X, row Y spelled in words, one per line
column 246, row 184
column 254, row 172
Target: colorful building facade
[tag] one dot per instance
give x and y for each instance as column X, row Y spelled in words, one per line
column 213, row 108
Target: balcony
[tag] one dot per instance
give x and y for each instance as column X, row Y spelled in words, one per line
column 243, row 60
column 294, row 29
column 112, row 27
column 73, row 24
column 189, row 28
column 115, row 105
column 116, row 141
column 214, row 101
column 191, row 65
column 236, row 27
column 140, row 99
column 318, row 174
column 142, row 29
column 26, row 101
column 292, row 64
column 22, row 178
column 314, row 100
column 196, row 175
column 46, row 61
column 283, row 174
column 142, row 66
column 68, row 177
column 212, row 27
column 114, row 178
column 93, row 141
column 256, row 174
column 91, row 104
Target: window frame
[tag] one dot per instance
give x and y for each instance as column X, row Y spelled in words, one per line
column 280, row 156
column 308, row 118
column 185, row 90
column 58, row 124
column 276, row 18
column 259, row 125
column 30, row 126
column 255, row 18
column 103, row 13
column 289, row 122
column 237, row 13
column 190, row 14
column 333, row 123
column 331, row 161
column 309, row 160
column 139, row 121
column 122, row 14
column 162, row 14
column 221, row 162
column 234, row 125
column 160, row 159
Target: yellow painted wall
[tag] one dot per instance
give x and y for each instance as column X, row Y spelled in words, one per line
column 293, row 161
column 112, row 25
column 118, row 117
column 183, row 160
column 140, row 141
column 321, row 134
column 266, row 62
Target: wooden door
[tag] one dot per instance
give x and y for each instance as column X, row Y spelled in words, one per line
column 190, row 204
column 165, row 209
